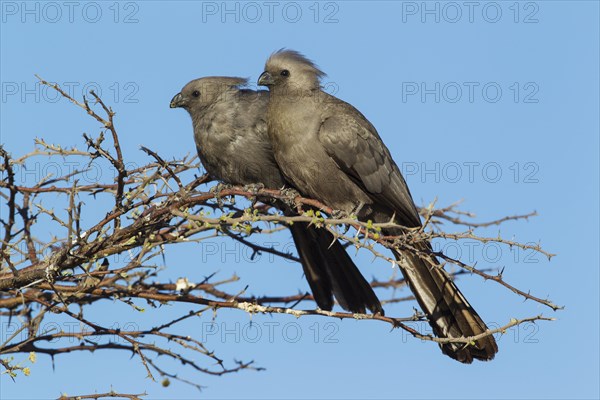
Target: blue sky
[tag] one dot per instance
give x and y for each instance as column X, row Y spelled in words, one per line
column 495, row 103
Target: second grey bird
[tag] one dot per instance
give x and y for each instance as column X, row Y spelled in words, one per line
column 331, row 152
column 230, row 132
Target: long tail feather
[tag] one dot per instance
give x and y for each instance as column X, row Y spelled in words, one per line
column 330, row 271
column 449, row 312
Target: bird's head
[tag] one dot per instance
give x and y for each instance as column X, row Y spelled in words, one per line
column 203, row 92
column 291, row 70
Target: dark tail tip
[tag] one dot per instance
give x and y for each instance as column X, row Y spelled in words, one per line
column 484, row 349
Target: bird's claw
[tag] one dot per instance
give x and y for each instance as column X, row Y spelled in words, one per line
column 254, row 188
column 290, row 196
column 216, row 190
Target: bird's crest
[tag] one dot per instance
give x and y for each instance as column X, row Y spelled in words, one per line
column 286, row 57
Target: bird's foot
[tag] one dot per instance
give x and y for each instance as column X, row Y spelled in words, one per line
column 254, row 188
column 290, row 196
column 216, row 190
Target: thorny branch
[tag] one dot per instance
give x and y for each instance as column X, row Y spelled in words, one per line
column 98, row 396
column 154, row 208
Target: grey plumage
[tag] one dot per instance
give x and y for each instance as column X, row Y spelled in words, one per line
column 331, row 152
column 231, row 137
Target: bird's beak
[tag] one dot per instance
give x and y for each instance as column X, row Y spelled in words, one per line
column 177, row 101
column 265, row 79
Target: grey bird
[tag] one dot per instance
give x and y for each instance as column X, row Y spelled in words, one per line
column 330, row 152
column 230, row 132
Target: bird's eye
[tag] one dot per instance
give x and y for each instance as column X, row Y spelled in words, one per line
column 196, row 93
column 285, row 72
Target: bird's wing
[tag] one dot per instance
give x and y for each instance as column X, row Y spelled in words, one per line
column 354, row 144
